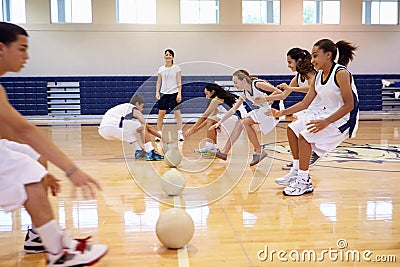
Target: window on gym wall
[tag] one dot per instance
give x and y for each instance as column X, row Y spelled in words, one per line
column 380, row 12
column 13, row 11
column 136, row 11
column 321, row 12
column 261, row 12
column 71, row 11
column 199, row 12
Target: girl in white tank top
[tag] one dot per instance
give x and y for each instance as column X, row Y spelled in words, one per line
column 323, row 128
column 252, row 90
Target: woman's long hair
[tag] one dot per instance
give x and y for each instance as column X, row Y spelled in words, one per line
column 303, row 61
column 220, row 92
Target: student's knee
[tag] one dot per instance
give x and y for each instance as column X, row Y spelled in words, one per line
column 247, row 122
column 210, row 123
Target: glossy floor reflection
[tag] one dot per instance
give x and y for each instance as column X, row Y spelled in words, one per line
column 351, row 219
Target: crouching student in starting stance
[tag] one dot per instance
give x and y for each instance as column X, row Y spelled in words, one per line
column 218, row 98
column 252, row 88
column 125, row 122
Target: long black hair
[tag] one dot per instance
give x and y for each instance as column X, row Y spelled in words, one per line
column 346, row 50
column 220, row 92
column 303, row 61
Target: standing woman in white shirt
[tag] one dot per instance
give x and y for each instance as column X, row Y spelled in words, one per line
column 169, row 92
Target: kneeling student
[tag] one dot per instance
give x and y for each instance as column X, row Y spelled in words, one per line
column 125, row 122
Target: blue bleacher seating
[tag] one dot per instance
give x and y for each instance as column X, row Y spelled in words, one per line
column 29, row 94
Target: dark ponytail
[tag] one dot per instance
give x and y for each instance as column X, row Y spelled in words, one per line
column 303, row 61
column 220, row 92
column 346, row 50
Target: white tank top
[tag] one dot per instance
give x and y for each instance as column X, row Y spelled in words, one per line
column 316, row 103
column 256, row 92
column 301, row 83
column 331, row 97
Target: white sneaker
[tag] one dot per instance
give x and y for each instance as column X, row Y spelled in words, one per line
column 287, row 179
column 299, row 187
column 77, row 253
column 33, row 243
column 206, row 150
column 180, row 136
column 258, row 157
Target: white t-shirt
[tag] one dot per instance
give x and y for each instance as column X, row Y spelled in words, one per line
column 169, row 83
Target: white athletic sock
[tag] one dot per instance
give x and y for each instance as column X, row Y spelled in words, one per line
column 295, row 167
column 209, row 145
column 303, row 175
column 148, row 147
column 296, row 164
column 34, row 229
column 136, row 146
column 51, row 236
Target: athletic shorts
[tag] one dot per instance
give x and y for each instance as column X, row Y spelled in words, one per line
column 323, row 141
column 265, row 122
column 168, row 102
column 18, row 166
column 127, row 133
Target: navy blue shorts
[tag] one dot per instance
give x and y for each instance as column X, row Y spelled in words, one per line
column 168, row 101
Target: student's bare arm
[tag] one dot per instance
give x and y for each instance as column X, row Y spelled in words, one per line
column 34, row 137
column 267, row 87
column 303, row 104
column 158, row 86
column 200, row 123
column 138, row 115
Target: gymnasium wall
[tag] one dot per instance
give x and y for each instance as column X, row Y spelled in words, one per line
column 99, row 93
column 106, row 48
column 111, row 61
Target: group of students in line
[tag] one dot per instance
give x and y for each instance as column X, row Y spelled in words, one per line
column 326, row 116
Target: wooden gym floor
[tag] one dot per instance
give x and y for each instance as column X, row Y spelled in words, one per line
column 354, row 210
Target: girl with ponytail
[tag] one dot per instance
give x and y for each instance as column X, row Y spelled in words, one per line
column 252, row 88
column 323, row 127
column 218, row 99
column 299, row 60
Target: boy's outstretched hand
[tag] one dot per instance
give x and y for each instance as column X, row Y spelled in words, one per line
column 81, row 179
